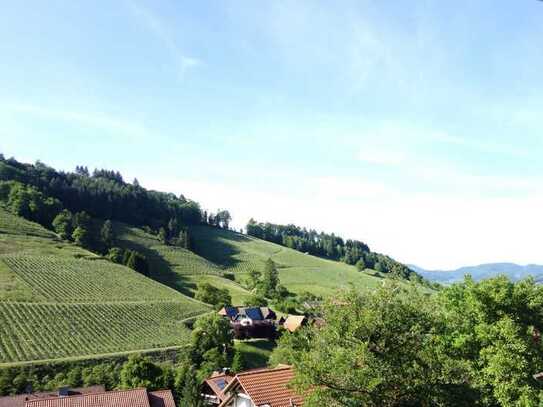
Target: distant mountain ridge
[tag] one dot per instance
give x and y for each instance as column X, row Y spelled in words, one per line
column 514, row 271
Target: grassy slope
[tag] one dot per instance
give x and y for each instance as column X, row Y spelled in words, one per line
column 176, row 267
column 59, row 301
column 299, row 272
column 256, row 352
column 41, row 275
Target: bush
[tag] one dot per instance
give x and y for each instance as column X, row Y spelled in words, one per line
column 212, row 295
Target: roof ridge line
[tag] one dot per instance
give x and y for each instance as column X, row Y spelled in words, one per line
column 88, row 394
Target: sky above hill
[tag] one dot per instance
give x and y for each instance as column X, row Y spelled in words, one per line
column 414, row 126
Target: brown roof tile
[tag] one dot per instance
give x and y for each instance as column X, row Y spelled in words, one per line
column 19, row 400
column 119, row 398
column 268, row 386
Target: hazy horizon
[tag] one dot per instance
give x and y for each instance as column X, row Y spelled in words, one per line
column 412, row 127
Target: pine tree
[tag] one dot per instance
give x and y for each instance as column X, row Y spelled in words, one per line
column 162, row 235
column 270, row 279
column 173, row 226
column 106, row 233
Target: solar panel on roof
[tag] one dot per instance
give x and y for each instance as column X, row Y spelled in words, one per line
column 254, row 313
column 221, row 383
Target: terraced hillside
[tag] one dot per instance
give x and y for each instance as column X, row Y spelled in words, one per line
column 60, row 301
column 238, row 254
column 176, row 267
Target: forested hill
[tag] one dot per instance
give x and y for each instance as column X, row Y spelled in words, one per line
column 81, row 205
column 40, row 191
column 331, row 247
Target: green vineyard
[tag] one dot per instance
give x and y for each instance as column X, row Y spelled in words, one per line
column 75, row 280
column 60, row 301
column 163, row 258
column 49, row 331
column 232, row 251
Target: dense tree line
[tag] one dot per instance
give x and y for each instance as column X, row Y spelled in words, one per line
column 103, row 194
column 472, row 344
column 329, row 246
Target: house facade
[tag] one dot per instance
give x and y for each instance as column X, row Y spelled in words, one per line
column 251, row 322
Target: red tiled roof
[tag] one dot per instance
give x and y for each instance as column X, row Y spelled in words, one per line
column 119, row 398
column 19, row 400
column 268, row 386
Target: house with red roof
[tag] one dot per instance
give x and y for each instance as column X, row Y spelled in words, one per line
column 255, row 388
column 20, row 399
column 117, row 398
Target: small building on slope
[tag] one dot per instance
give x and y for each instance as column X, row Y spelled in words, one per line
column 251, row 322
column 294, row 322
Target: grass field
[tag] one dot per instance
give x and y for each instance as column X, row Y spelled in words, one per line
column 11, row 224
column 256, row 352
column 299, row 272
column 237, row 292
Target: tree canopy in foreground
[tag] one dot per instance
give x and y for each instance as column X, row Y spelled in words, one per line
column 471, row 344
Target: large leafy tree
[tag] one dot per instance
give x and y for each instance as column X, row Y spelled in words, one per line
column 139, row 371
column 470, row 344
column 380, row 348
column 495, row 326
column 212, row 343
column 63, row 224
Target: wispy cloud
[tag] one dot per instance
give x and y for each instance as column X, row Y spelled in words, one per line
column 119, row 126
column 163, row 33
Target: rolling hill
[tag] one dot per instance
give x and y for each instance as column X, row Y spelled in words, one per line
column 60, row 301
column 224, row 258
column 238, row 254
column 514, row 271
column 63, row 300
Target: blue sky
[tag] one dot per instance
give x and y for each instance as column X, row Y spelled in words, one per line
column 414, row 126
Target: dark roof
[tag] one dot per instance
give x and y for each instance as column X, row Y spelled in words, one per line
column 255, row 313
column 19, row 400
column 217, row 383
column 161, row 398
column 251, row 312
column 267, row 313
column 230, row 312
